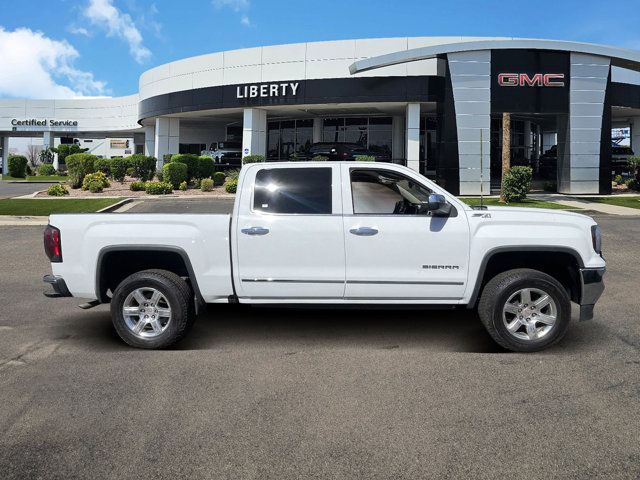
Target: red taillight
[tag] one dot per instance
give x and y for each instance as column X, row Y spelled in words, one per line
column 52, row 245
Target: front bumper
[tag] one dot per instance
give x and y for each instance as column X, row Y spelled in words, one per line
column 59, row 286
column 592, row 286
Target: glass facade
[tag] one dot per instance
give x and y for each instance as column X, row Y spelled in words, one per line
column 286, row 138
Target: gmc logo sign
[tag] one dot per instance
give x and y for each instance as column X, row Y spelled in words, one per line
column 537, row 80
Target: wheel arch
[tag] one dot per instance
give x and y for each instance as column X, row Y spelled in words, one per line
column 165, row 257
column 562, row 263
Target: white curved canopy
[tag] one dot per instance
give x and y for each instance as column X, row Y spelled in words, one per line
column 620, row 57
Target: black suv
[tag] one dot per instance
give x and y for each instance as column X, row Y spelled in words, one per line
column 341, row 151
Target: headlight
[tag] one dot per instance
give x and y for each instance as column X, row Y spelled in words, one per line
column 596, row 238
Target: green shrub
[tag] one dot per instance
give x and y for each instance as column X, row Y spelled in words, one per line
column 231, row 186
column 632, row 184
column 119, row 167
column 219, row 178
column 29, row 171
column 46, row 155
column 183, row 186
column 633, row 163
column 191, row 161
column 137, row 186
column 320, row 158
column 517, row 183
column 617, row 179
column 79, row 165
column 46, row 169
column 17, row 166
column 94, row 186
column 365, row 158
column 550, row 187
column 205, row 166
column 143, row 167
column 57, row 190
column 159, row 175
column 166, row 158
column 233, row 174
column 253, row 159
column 66, row 150
column 206, row 184
column 98, row 178
column 174, row 173
column 158, row 188
column 102, row 165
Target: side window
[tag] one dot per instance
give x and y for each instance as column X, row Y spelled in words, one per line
column 293, row 190
column 383, row 192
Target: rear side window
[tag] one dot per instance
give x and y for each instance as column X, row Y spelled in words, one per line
column 293, row 190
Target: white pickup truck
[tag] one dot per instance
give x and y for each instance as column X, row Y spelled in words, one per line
column 333, row 233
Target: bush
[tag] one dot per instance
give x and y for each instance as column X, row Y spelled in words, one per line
column 182, row 186
column 191, row 161
column 29, row 171
column 365, row 158
column 632, row 184
column 174, row 173
column 17, row 166
column 550, row 187
column 617, row 179
column 46, row 169
column 634, row 164
column 517, row 183
column 205, row 167
column 119, row 167
column 158, row 188
column 166, row 158
column 66, row 150
column 252, row 159
column 57, row 190
column 93, row 179
column 102, row 165
column 233, row 174
column 320, row 158
column 219, row 178
column 79, row 165
column 231, row 186
column 206, row 184
column 143, row 167
column 159, row 175
column 137, row 186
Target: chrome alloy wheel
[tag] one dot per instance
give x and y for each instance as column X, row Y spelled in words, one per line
column 146, row 312
column 529, row 314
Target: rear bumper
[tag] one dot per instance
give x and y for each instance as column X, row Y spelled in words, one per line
column 592, row 283
column 59, row 286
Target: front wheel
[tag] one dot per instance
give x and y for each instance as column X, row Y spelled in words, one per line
column 152, row 309
column 525, row 310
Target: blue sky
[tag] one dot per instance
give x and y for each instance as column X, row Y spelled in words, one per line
column 65, row 48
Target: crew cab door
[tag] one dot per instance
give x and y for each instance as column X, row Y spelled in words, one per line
column 395, row 250
column 289, row 234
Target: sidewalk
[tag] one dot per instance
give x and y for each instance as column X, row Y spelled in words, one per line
column 584, row 203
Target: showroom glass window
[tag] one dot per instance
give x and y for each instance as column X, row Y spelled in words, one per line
column 382, row 192
column 293, row 191
column 288, row 138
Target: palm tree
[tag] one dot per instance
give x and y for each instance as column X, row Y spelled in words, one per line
column 506, row 150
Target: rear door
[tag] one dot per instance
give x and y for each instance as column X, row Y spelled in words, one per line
column 290, row 242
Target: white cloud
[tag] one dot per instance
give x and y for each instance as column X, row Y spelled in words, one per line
column 35, row 66
column 78, row 30
column 238, row 6
column 103, row 14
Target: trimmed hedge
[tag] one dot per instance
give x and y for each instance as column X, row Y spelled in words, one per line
column 175, row 173
column 320, row 158
column 183, row 186
column 191, row 161
column 136, row 186
column 206, row 185
column 219, row 178
column 95, row 182
column 205, row 167
column 158, row 188
column 102, row 165
column 119, row 167
column 143, row 167
column 18, row 166
column 253, row 159
column 517, row 183
column 231, row 186
column 57, row 190
column 365, row 158
column 79, row 165
column 46, row 169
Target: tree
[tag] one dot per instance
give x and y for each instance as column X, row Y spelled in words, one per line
column 65, row 150
column 46, row 155
column 33, row 154
column 506, row 150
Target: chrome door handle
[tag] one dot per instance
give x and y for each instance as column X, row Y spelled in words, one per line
column 255, row 231
column 364, row 231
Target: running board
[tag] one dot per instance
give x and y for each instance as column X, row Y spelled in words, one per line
column 88, row 305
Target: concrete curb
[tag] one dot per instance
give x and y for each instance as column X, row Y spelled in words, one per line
column 116, row 206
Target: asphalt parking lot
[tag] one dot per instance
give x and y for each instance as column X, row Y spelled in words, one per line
column 13, row 189
column 273, row 393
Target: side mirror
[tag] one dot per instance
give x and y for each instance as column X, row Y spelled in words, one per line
column 438, row 205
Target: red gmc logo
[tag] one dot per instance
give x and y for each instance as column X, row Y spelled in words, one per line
column 537, row 80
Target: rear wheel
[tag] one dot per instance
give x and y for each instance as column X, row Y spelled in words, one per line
column 152, row 309
column 525, row 310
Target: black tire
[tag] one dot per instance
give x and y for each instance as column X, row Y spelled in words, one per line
column 177, row 294
column 500, row 288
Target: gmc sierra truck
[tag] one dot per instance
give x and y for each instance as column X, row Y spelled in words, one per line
column 333, row 233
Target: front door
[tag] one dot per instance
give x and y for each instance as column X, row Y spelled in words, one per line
column 290, row 242
column 395, row 251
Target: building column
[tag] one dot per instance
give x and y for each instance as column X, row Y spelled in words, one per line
column 397, row 138
column 317, row 130
column 254, row 132
column 166, row 138
column 527, row 139
column 412, row 136
column 5, row 155
column 634, row 124
column 150, row 141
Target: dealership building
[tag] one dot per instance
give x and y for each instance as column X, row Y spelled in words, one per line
column 434, row 104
